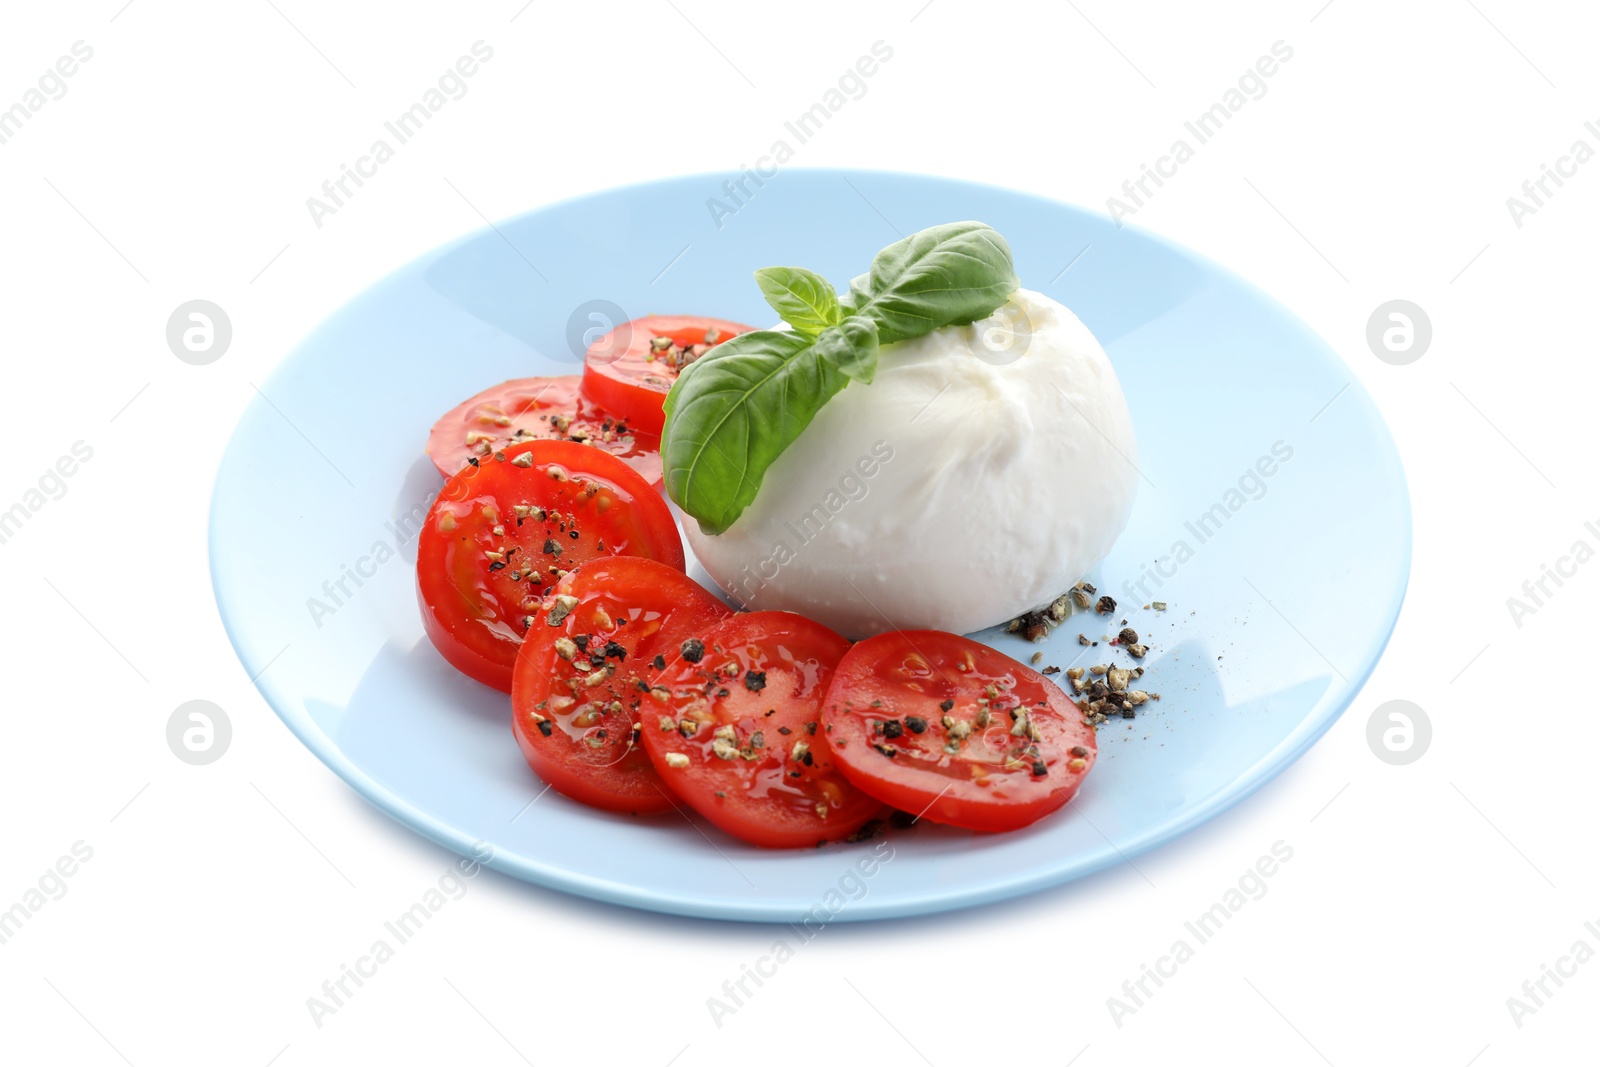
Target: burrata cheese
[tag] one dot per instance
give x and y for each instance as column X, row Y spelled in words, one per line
column 984, row 471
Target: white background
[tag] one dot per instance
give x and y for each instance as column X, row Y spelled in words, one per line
column 219, row 898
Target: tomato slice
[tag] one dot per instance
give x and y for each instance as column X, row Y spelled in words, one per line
column 954, row 731
column 732, row 725
column 501, row 534
column 538, row 409
column 576, row 693
column 628, row 370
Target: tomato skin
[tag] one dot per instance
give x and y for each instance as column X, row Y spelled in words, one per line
column 758, row 789
column 584, row 750
column 478, row 587
column 990, row 782
column 622, row 375
column 526, row 409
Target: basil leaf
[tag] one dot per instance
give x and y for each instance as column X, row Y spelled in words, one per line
column 733, row 411
column 801, row 298
column 851, row 347
column 945, row 275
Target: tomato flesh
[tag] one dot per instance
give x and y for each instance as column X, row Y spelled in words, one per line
column 575, row 692
column 735, row 731
column 628, row 371
column 500, row 535
column 952, row 731
column 538, row 409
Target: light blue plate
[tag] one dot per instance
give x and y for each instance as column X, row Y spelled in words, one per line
column 1287, row 591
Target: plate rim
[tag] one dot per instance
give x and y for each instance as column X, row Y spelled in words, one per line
column 1302, row 737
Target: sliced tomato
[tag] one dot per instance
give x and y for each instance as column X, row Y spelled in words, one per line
column 538, row 409
column 732, row 724
column 953, row 731
column 502, row 533
column 629, row 370
column 583, row 676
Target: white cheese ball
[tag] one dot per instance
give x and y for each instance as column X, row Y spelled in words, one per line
column 984, row 471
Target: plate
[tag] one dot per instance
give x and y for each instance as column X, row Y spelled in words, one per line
column 1272, row 520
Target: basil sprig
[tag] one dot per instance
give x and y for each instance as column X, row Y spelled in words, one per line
column 734, row 410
